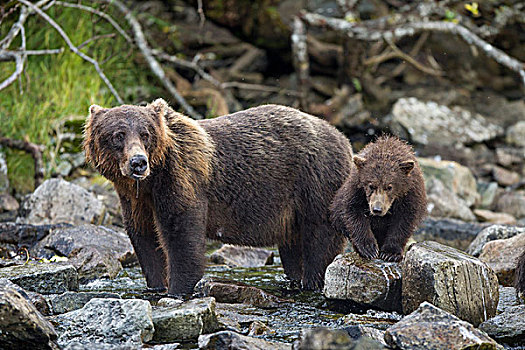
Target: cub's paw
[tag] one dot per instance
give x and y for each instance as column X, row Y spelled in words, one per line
column 367, row 251
column 390, row 256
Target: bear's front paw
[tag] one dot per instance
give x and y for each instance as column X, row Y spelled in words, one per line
column 390, row 256
column 368, row 251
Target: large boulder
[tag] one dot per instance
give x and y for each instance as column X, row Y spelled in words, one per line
column 21, row 325
column 429, row 327
column 364, row 283
column 226, row 340
column 492, row 233
column 507, row 327
column 42, row 278
column 58, row 201
column 444, row 203
column 235, row 256
column 449, row 279
column 502, row 256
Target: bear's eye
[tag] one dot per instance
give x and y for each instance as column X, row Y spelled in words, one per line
column 371, row 187
column 389, row 187
column 118, row 138
column 144, row 135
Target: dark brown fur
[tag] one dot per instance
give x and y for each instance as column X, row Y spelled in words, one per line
column 520, row 276
column 383, row 200
column 258, row 177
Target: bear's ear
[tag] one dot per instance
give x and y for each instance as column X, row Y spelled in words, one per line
column 359, row 161
column 160, row 107
column 407, row 166
column 95, row 109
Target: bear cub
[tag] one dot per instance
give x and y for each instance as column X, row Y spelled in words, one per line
column 520, row 276
column 382, row 201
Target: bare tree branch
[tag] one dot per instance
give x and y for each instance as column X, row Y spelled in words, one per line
column 5, row 55
column 300, row 60
column 19, row 68
column 412, row 61
column 33, row 149
column 156, row 68
column 74, row 48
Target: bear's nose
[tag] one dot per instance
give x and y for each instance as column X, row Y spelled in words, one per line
column 377, row 209
column 138, row 164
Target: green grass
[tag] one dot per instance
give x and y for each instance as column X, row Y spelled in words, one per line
column 56, row 87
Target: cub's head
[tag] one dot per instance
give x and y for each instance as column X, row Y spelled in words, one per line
column 126, row 141
column 383, row 180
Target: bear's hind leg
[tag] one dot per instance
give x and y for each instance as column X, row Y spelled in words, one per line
column 292, row 259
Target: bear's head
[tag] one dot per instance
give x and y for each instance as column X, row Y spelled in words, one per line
column 383, row 179
column 126, row 141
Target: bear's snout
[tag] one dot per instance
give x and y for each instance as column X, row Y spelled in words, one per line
column 379, row 203
column 138, row 165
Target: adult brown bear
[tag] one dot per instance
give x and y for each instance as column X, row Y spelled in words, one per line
column 257, row 177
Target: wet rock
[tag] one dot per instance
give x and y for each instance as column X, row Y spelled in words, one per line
column 21, row 325
column 237, row 292
column 43, row 278
column 236, row 316
column 454, row 176
column 429, row 123
column 452, row 232
column 444, row 203
column 235, row 256
column 516, row 134
column 487, row 191
column 493, row 217
column 120, row 322
column 360, row 331
column 184, row 320
column 365, row 283
column 226, row 340
column 507, row 298
column 429, row 327
column 505, row 177
column 26, row 235
column 100, row 346
column 69, row 301
column 258, row 328
column 451, row 280
column 324, row 338
column 502, row 256
column 36, row 299
column 512, row 202
column 4, row 180
column 8, row 203
column 58, row 201
column 376, row 319
column 508, row 327
column 492, row 233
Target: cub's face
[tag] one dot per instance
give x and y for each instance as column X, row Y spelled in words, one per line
column 125, row 141
column 382, row 182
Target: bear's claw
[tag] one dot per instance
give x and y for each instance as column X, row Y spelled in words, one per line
column 391, row 257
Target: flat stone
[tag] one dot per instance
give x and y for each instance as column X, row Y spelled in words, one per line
column 226, row 340
column 69, row 301
column 507, row 327
column 507, row 298
column 234, row 317
column 366, row 283
column 452, row 232
column 235, row 256
column 492, row 233
column 381, row 320
column 122, row 322
column 429, row 327
column 505, row 177
column 493, row 217
column 42, row 278
column 449, row 279
column 502, row 256
column 58, row 201
column 185, row 320
column 21, row 325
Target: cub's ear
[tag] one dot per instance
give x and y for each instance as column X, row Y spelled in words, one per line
column 359, row 161
column 160, row 107
column 94, row 109
column 407, row 166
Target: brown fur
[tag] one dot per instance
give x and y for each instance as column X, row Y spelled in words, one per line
column 520, row 276
column 258, row 177
column 383, row 200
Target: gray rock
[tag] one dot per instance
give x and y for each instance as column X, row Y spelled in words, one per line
column 452, row 232
column 485, row 215
column 505, row 177
column 4, row 180
column 507, row 327
column 454, row 176
column 444, row 203
column 360, row 331
column 226, row 340
column 27, row 235
column 8, row 203
column 100, row 346
column 123, row 322
column 376, row 319
column 58, row 201
column 507, row 298
column 487, row 191
column 449, row 279
column 508, row 156
column 69, row 301
column 235, row 256
column 43, row 278
column 512, row 202
column 21, row 325
column 37, row 299
column 429, row 123
column 324, row 338
column 491, row 233
column 185, row 320
column 502, row 256
column 231, row 316
column 516, row 134
column 429, row 327
column 375, row 283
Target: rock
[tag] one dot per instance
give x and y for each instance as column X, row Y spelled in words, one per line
column 237, row 292
column 487, row 191
column 4, row 180
column 492, row 233
column 21, row 325
column 226, row 340
column 93, row 262
column 235, row 256
column 37, row 299
column 454, row 176
column 512, row 203
column 495, row 218
column 45, row 278
column 507, row 298
column 449, row 279
column 120, row 322
column 372, row 318
column 8, row 203
column 508, row 327
column 516, row 134
column 324, row 338
column 360, row 331
column 25, row 235
column 69, row 301
column 429, row 123
column 452, row 232
column 429, row 327
column 508, row 156
column 505, row 177
column 185, row 320
column 58, row 201
column 444, row 203
column 502, row 256
column 231, row 316
column 376, row 283
column 258, row 328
